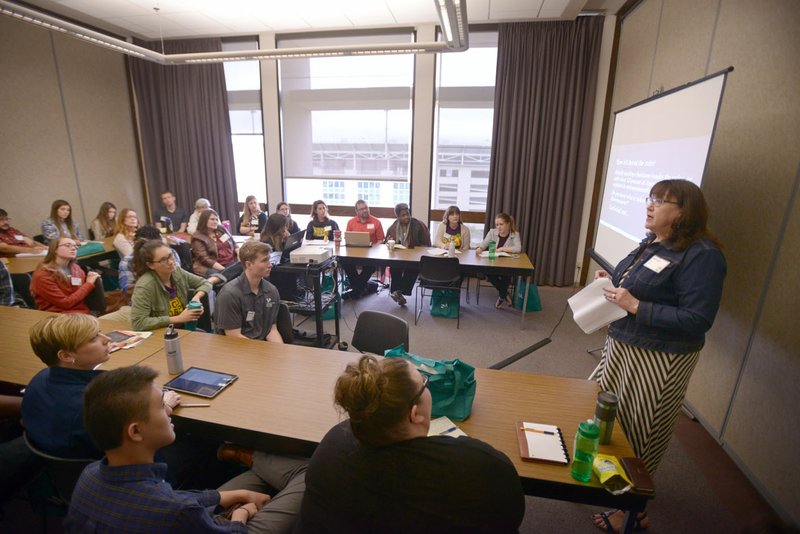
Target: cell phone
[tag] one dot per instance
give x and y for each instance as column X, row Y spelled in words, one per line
column 638, row 475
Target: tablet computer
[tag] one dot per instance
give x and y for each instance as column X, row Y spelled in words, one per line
column 201, row 382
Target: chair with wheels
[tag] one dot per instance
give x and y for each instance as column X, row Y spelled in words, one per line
column 437, row 273
column 378, row 331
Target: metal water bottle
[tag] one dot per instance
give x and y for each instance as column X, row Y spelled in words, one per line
column 173, row 348
column 604, row 415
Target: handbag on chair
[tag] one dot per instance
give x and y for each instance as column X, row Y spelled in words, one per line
column 451, row 383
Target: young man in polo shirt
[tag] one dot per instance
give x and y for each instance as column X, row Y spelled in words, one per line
column 13, row 242
column 247, row 306
column 363, row 222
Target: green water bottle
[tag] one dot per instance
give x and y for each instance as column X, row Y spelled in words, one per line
column 193, row 305
column 586, row 441
column 492, row 249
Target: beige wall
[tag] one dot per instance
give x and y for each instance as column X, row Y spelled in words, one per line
column 744, row 388
column 66, row 129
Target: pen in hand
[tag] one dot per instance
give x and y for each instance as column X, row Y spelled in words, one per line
column 197, row 405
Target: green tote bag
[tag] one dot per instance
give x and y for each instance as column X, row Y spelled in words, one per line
column 451, row 383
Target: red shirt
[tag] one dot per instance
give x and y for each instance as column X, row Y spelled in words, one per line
column 373, row 226
column 57, row 293
column 12, row 236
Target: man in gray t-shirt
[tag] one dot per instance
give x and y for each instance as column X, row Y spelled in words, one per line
column 247, row 306
column 177, row 216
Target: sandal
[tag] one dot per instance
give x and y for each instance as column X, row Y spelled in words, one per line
column 509, row 301
column 606, row 526
column 499, row 303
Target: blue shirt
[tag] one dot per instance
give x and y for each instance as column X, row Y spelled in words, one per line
column 135, row 498
column 7, row 296
column 52, row 411
column 678, row 303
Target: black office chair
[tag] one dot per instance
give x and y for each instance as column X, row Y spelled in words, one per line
column 39, row 238
column 63, row 472
column 437, row 273
column 377, row 331
column 285, row 324
column 22, row 287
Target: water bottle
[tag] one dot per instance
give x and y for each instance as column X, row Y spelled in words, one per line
column 585, row 450
column 173, row 348
column 193, row 305
column 492, row 249
column 604, row 414
column 451, row 249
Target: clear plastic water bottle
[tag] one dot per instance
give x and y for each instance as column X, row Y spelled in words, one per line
column 193, row 305
column 451, row 249
column 172, row 346
column 586, row 441
column 492, row 249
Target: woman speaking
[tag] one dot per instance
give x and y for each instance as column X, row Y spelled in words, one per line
column 671, row 287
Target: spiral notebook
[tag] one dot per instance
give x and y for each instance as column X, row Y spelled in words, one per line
column 541, row 443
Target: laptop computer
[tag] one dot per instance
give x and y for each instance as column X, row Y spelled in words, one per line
column 357, row 239
column 294, row 241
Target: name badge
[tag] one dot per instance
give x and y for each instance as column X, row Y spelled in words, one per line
column 370, row 226
column 75, row 280
column 19, row 238
column 250, row 316
column 224, row 238
column 656, row 264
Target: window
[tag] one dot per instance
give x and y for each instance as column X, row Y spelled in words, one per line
column 243, row 81
column 463, row 124
column 333, row 191
column 401, row 192
column 346, row 120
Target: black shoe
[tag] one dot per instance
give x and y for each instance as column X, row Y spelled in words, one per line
column 398, row 297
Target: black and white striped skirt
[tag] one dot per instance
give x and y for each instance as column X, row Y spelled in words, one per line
column 651, row 386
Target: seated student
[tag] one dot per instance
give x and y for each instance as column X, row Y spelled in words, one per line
column 284, row 208
column 60, row 285
column 507, row 239
column 409, row 232
column 127, row 278
column 320, row 226
column 105, row 224
column 7, row 295
column 125, row 492
column 248, row 305
column 452, row 229
column 253, row 220
column 126, row 228
column 161, row 294
column 60, row 223
column 213, row 248
column 363, row 222
column 170, row 215
column 71, row 346
column 201, row 205
column 13, row 242
column 380, row 472
column 275, row 231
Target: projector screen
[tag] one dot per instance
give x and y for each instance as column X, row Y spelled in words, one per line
column 667, row 136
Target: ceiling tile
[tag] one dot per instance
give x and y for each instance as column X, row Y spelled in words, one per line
column 508, row 9
column 412, row 11
column 478, row 11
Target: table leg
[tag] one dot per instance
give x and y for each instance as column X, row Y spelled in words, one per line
column 318, row 309
column 524, row 302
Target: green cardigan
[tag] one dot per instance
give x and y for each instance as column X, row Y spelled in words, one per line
column 150, row 306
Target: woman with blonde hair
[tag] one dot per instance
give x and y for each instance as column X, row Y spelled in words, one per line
column 453, row 229
column 506, row 239
column 127, row 224
column 105, row 224
column 253, row 220
column 378, row 471
column 60, row 285
column 60, row 222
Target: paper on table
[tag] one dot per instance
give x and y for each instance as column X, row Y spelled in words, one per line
column 32, row 254
column 439, row 251
column 399, row 246
column 591, row 310
column 485, row 254
column 443, row 426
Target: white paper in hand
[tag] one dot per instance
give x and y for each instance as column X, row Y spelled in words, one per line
column 591, row 310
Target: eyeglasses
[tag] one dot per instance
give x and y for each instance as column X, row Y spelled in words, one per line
column 165, row 260
column 68, row 245
column 658, row 202
column 425, row 380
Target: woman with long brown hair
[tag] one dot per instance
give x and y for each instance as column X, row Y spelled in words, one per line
column 213, row 248
column 60, row 222
column 127, row 224
column 507, row 240
column 105, row 224
column 60, row 285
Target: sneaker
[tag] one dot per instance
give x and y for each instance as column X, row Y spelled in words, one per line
column 398, row 297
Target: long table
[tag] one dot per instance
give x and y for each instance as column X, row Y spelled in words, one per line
column 470, row 262
column 283, row 402
column 28, row 264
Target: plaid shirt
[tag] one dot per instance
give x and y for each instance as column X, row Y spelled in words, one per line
column 7, row 296
column 126, row 275
column 135, row 498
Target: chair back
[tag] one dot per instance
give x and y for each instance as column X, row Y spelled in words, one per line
column 284, row 323
column 439, row 271
column 63, row 472
column 377, row 331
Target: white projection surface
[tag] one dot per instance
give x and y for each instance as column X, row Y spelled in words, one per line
column 665, row 137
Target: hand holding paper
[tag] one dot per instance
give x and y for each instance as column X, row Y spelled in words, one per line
column 591, row 310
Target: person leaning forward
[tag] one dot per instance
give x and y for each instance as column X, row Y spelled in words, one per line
column 248, row 306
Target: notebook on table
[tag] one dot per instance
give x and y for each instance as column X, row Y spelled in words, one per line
column 357, row 239
column 541, row 443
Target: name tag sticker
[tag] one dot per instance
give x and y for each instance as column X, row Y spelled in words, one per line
column 19, row 238
column 224, row 238
column 656, row 264
column 75, row 280
column 370, row 226
column 250, row 316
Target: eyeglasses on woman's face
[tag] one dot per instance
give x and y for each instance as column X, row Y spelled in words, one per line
column 658, row 202
column 68, row 245
column 166, row 260
column 425, row 380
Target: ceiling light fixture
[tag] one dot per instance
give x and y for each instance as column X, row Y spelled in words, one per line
column 452, row 18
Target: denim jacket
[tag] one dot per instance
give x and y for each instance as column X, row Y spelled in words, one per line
column 678, row 304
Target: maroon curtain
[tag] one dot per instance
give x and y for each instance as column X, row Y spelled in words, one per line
column 544, row 100
column 185, row 128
